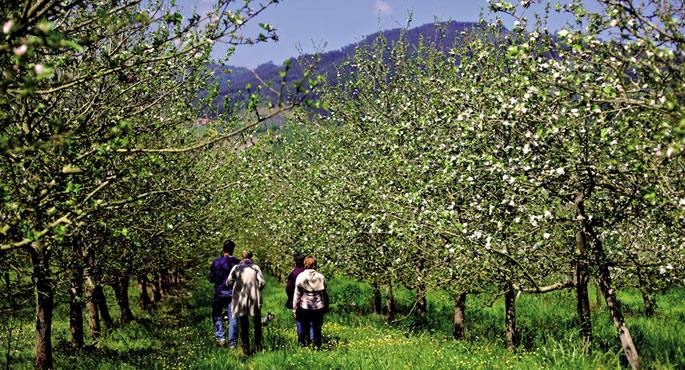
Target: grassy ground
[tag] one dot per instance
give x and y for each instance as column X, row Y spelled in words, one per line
column 178, row 335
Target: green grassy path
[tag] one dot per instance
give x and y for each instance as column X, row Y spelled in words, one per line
column 179, row 336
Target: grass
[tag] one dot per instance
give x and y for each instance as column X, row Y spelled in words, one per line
column 178, row 335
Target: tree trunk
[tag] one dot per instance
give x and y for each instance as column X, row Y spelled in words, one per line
column 144, row 297
column 156, row 289
column 582, row 297
column 598, row 294
column 42, row 282
column 91, row 306
column 120, row 287
column 76, row 307
column 647, row 298
column 101, row 302
column 510, row 317
column 166, row 283
column 583, row 306
column 377, row 305
column 12, row 305
column 459, row 311
column 614, row 307
column 649, row 301
column 389, row 302
column 421, row 304
column 76, row 295
column 604, row 280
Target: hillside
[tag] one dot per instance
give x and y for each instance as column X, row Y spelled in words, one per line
column 234, row 82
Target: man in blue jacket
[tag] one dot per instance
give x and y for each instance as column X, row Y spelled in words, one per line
column 223, row 295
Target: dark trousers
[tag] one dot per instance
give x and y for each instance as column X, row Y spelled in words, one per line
column 245, row 332
column 310, row 320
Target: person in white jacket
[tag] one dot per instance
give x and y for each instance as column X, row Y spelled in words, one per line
column 310, row 302
column 247, row 281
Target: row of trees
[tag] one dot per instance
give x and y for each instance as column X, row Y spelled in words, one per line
column 104, row 174
column 518, row 161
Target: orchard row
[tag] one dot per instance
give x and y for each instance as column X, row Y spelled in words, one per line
column 513, row 161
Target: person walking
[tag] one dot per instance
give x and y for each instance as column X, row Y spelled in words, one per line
column 292, row 276
column 247, row 281
column 310, row 303
column 290, row 289
column 218, row 273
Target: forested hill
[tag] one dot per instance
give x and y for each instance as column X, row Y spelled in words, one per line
column 234, row 79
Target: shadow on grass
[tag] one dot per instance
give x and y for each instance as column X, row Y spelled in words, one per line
column 179, row 335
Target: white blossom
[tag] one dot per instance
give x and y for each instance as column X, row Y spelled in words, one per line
column 20, row 50
column 7, row 27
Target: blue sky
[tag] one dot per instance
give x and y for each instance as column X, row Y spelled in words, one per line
column 322, row 25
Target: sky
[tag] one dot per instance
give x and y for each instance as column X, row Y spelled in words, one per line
column 306, row 26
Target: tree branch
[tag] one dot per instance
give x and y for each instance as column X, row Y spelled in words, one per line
column 546, row 289
column 12, row 246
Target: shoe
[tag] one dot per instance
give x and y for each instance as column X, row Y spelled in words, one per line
column 221, row 342
column 232, row 346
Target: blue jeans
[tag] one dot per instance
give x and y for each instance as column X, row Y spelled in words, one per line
column 311, row 322
column 218, row 306
column 298, row 325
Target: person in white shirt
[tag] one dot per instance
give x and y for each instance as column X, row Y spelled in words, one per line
column 310, row 302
